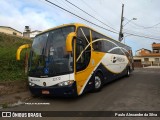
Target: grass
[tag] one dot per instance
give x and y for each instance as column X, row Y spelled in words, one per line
column 10, row 69
column 5, row 105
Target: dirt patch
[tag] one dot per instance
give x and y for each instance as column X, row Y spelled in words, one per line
column 13, row 92
column 9, row 100
column 13, row 87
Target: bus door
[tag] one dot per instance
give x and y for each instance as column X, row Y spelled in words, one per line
column 83, row 55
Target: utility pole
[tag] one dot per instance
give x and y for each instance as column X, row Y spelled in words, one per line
column 121, row 26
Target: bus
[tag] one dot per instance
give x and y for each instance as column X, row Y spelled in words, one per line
column 72, row 59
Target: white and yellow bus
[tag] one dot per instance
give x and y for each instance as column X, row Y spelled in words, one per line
column 72, row 59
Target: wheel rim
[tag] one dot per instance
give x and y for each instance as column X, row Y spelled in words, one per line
column 97, row 82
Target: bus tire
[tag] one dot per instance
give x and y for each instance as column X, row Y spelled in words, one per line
column 98, row 82
column 128, row 72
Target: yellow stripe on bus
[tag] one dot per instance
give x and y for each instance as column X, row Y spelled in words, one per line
column 83, row 76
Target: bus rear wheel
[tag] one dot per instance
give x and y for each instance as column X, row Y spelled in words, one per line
column 98, row 82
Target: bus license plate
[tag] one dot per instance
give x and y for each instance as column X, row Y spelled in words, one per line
column 45, row 92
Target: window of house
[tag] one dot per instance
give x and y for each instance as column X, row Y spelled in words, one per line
column 146, row 59
column 14, row 33
column 157, row 59
column 156, row 51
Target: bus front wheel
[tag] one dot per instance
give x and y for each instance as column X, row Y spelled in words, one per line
column 98, row 82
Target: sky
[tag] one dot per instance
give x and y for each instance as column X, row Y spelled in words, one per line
column 40, row 15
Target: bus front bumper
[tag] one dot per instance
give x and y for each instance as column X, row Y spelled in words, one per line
column 65, row 91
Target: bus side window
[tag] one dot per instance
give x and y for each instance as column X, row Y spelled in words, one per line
column 97, row 43
column 97, row 46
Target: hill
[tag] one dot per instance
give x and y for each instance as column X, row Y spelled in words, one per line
column 10, row 69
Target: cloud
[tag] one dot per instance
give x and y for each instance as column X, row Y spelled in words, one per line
column 18, row 15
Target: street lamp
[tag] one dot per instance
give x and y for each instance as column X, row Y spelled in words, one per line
column 130, row 21
column 125, row 25
column 122, row 26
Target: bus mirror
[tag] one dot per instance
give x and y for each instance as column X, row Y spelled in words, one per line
column 69, row 41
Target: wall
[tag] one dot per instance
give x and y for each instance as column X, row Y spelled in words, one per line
column 10, row 31
column 33, row 34
column 148, row 63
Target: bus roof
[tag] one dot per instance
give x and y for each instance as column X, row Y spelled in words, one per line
column 64, row 25
column 77, row 25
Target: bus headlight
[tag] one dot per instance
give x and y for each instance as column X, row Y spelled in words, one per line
column 65, row 83
column 31, row 84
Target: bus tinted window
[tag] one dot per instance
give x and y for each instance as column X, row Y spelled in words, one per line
column 83, row 33
column 97, row 44
column 105, row 44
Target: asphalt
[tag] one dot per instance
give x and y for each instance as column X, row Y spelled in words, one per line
column 139, row 92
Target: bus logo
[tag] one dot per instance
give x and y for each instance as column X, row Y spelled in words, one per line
column 44, row 83
column 117, row 59
column 113, row 59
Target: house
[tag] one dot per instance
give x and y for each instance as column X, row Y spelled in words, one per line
column 34, row 33
column 30, row 34
column 142, row 52
column 145, row 57
column 10, row 30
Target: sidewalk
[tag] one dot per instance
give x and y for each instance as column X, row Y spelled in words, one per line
column 152, row 67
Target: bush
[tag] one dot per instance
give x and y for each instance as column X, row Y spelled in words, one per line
column 10, row 69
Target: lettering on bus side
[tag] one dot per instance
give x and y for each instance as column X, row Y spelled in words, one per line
column 56, row 78
column 117, row 59
column 35, row 80
column 120, row 59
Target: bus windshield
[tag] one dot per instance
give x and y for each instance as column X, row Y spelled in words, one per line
column 48, row 55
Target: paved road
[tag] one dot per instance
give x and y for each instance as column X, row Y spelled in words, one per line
column 139, row 92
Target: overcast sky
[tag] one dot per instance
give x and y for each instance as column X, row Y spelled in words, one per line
column 40, row 15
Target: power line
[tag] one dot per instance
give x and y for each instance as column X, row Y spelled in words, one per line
column 145, row 33
column 144, row 27
column 142, row 36
column 67, row 6
column 154, row 25
column 88, row 6
column 48, row 5
column 98, row 25
column 61, row 3
column 90, row 15
column 79, row 16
